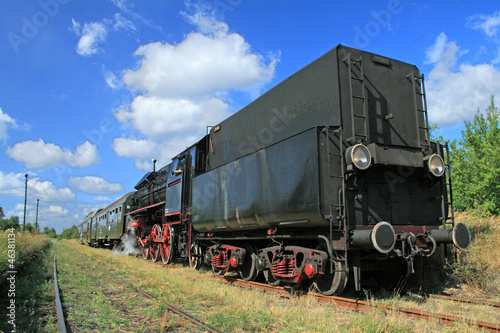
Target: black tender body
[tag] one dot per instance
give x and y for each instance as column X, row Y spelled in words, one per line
column 329, row 173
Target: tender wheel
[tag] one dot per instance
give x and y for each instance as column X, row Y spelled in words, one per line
column 219, row 271
column 248, row 271
column 194, row 259
column 154, row 248
column 166, row 247
column 270, row 278
column 332, row 283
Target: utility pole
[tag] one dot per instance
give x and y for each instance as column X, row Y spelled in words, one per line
column 36, row 222
column 25, row 198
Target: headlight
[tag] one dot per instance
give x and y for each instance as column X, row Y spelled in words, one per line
column 435, row 164
column 359, row 156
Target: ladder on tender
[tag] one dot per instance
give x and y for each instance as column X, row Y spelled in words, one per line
column 447, row 218
column 336, row 207
column 359, row 130
column 420, row 105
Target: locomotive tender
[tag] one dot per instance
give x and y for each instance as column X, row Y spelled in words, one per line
column 327, row 175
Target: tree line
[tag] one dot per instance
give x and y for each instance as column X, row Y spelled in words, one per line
column 13, row 223
column 475, row 163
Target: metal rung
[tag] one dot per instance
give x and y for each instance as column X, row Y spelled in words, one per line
column 359, row 116
column 335, row 176
column 357, row 78
column 358, row 97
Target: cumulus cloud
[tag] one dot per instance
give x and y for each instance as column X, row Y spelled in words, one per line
column 201, row 64
column 6, row 122
column 94, row 185
column 13, row 185
column 455, row 91
column 144, row 150
column 183, row 88
column 41, row 155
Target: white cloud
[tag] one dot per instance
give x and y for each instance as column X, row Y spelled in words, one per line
column 122, row 23
column 488, row 24
column 183, row 87
column 454, row 95
column 201, row 64
column 91, row 35
column 159, row 118
column 41, row 155
column 13, row 185
column 144, row 150
column 111, row 80
column 6, row 122
column 94, row 185
column 94, row 33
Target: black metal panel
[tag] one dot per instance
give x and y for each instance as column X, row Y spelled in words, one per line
column 389, row 95
column 306, row 99
column 278, row 185
column 398, row 195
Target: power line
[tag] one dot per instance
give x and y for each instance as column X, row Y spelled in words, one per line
column 432, row 26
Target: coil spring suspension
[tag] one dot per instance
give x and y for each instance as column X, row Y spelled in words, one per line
column 219, row 259
column 283, row 268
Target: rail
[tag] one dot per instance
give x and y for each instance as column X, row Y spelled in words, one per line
column 362, row 306
column 60, row 314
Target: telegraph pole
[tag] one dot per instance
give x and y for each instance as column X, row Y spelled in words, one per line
column 36, row 222
column 25, row 198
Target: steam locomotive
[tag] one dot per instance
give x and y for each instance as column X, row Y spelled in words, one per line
column 328, row 175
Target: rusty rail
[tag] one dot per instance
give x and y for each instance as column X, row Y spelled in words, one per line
column 362, row 306
column 60, row 314
column 467, row 300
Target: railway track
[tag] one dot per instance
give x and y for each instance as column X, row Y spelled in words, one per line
column 60, row 314
column 467, row 300
column 362, row 306
column 148, row 295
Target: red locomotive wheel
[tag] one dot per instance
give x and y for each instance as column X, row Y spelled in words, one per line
column 145, row 251
column 154, row 248
column 166, row 247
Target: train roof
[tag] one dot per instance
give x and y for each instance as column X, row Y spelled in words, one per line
column 119, row 201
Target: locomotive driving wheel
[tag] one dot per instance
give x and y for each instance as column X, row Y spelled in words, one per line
column 332, row 283
column 195, row 259
column 154, row 248
column 166, row 247
column 144, row 248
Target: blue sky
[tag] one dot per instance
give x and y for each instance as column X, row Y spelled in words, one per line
column 91, row 91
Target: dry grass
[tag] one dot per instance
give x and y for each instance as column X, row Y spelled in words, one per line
column 478, row 268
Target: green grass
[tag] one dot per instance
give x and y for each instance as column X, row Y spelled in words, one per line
column 34, row 295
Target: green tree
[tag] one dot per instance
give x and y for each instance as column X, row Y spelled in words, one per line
column 11, row 222
column 476, row 163
column 49, row 231
column 70, row 233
